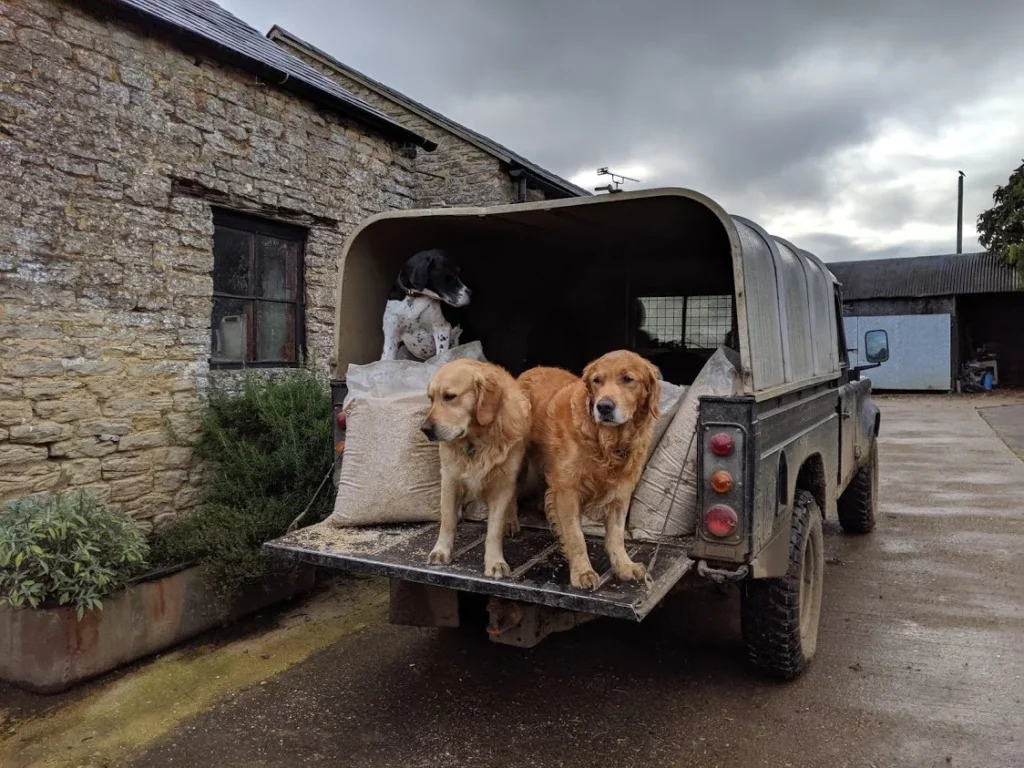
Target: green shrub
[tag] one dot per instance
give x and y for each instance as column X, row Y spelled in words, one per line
column 267, row 447
column 67, row 549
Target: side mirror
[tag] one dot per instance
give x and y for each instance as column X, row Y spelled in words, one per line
column 876, row 346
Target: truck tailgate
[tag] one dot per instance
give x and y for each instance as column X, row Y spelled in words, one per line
column 540, row 574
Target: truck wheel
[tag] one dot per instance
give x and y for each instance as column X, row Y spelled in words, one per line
column 859, row 501
column 780, row 616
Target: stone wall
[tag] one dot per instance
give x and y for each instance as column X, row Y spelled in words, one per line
column 456, row 173
column 113, row 146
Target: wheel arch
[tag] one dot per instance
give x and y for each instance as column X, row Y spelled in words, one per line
column 812, row 478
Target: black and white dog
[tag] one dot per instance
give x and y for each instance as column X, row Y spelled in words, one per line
column 413, row 320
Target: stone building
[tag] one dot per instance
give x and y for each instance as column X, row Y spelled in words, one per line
column 175, row 189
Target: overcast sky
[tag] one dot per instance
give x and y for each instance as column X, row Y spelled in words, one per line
column 840, row 126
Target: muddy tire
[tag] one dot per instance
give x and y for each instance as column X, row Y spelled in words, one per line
column 780, row 616
column 858, row 505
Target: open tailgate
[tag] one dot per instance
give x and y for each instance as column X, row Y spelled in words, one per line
column 540, row 574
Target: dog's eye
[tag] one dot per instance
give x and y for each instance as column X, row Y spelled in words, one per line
column 627, row 379
column 596, row 380
column 448, row 397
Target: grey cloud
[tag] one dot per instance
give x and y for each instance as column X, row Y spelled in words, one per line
column 746, row 100
column 831, row 247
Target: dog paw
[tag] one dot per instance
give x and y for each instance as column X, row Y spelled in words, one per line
column 497, row 570
column 630, row 571
column 512, row 527
column 439, row 556
column 584, row 579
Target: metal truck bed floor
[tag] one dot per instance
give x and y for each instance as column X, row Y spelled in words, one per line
column 540, row 574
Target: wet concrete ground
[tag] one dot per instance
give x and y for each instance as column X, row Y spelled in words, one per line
column 1008, row 422
column 920, row 660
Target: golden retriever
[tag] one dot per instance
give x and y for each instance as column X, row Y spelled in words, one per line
column 481, row 418
column 590, row 437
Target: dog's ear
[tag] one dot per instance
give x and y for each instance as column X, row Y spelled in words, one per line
column 416, row 273
column 651, row 382
column 489, row 396
column 588, row 372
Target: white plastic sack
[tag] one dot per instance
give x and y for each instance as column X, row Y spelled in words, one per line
column 665, row 499
column 388, row 378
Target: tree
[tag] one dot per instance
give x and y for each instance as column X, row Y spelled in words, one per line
column 1001, row 227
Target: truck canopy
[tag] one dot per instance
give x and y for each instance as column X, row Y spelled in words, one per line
column 666, row 272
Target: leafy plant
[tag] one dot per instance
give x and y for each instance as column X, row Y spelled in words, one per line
column 1001, row 227
column 68, row 549
column 267, row 447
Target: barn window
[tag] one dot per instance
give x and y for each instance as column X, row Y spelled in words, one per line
column 684, row 322
column 257, row 292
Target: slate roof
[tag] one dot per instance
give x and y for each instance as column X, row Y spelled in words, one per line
column 227, row 38
column 503, row 153
column 921, row 276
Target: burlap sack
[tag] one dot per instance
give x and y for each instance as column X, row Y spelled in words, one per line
column 665, row 499
column 390, row 472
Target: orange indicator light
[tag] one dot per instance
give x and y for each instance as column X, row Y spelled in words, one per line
column 721, row 481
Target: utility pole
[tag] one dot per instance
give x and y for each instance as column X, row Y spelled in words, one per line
column 960, row 213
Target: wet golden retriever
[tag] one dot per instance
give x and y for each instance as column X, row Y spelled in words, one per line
column 590, row 437
column 481, row 418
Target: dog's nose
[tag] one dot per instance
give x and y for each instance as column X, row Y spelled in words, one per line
column 606, row 407
column 428, row 429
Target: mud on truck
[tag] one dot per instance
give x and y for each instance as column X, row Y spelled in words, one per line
column 560, row 283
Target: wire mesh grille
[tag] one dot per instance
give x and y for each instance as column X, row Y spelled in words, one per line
column 691, row 322
column 663, row 319
column 708, row 321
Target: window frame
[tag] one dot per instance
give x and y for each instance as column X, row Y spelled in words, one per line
column 255, row 226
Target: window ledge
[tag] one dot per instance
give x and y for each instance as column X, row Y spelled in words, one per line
column 226, row 366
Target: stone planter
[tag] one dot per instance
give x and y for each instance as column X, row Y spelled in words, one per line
column 47, row 650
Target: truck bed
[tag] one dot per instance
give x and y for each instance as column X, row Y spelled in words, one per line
column 540, row 574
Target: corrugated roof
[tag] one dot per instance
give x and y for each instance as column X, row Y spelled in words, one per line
column 229, row 39
column 916, row 277
column 488, row 145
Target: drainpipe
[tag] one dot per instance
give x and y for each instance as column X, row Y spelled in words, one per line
column 960, row 213
column 518, row 175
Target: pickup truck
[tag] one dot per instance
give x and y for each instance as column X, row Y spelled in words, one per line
column 668, row 273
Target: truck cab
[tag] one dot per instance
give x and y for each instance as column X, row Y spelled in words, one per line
column 670, row 274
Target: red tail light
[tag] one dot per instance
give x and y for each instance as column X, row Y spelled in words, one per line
column 341, row 420
column 720, row 521
column 721, row 444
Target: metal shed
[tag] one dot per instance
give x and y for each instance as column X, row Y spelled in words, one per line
column 938, row 311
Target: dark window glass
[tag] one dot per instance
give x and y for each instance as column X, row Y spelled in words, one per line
column 277, row 268
column 232, row 261
column 257, row 292
column 276, row 339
